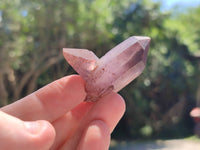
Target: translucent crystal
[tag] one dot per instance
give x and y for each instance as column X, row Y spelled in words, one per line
column 114, row 70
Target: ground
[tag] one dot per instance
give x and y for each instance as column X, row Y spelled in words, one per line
column 177, row 144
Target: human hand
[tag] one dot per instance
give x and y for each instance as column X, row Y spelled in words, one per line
column 56, row 117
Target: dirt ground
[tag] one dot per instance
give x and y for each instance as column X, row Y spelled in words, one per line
column 160, row 145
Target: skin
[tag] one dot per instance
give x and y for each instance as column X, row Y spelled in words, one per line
column 56, row 117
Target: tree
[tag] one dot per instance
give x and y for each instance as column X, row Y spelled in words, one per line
column 161, row 103
column 33, row 35
column 186, row 27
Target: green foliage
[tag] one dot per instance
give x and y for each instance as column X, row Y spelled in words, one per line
column 33, row 33
column 146, row 131
column 169, row 83
column 186, row 26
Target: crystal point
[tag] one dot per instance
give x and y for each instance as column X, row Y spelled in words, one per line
column 114, row 70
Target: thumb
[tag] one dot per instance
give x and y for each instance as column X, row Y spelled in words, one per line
column 16, row 134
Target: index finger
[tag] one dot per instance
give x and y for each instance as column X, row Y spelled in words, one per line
column 51, row 101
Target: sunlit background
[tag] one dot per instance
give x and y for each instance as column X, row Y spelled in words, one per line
column 33, row 33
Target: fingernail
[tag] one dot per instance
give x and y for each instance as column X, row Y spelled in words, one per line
column 33, row 126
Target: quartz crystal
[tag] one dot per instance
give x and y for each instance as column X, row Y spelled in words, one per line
column 114, row 70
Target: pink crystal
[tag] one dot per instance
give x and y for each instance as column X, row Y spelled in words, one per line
column 114, row 70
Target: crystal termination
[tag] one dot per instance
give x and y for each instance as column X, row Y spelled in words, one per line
column 114, row 70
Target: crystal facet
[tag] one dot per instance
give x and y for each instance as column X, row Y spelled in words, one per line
column 114, row 70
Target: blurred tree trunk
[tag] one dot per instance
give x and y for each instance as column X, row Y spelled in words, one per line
column 21, row 84
column 3, row 92
column 175, row 113
column 33, row 80
column 29, row 79
column 198, row 88
column 33, row 35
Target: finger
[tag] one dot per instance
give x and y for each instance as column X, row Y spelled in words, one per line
column 51, row 101
column 68, row 124
column 108, row 109
column 16, row 134
column 96, row 136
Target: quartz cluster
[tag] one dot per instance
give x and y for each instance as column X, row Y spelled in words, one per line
column 114, row 70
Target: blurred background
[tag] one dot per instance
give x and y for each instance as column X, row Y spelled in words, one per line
column 33, row 33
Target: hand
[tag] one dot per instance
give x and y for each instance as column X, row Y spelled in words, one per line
column 56, row 117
